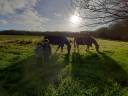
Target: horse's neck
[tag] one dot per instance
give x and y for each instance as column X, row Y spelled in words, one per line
column 94, row 42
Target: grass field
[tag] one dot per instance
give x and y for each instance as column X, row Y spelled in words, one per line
column 80, row 74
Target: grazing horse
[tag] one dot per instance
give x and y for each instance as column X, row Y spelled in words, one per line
column 60, row 41
column 86, row 40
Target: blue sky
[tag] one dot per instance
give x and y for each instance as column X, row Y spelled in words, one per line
column 37, row 15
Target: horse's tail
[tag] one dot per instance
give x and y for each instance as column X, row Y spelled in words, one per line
column 96, row 44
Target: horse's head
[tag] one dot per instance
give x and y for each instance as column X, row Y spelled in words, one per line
column 45, row 41
column 46, row 37
column 70, row 41
column 93, row 40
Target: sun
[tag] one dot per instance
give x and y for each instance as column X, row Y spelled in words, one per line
column 75, row 19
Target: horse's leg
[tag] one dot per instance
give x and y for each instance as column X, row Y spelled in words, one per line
column 68, row 48
column 74, row 45
column 58, row 48
column 77, row 47
column 62, row 48
column 87, row 48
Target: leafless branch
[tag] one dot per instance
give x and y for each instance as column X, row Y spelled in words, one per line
column 101, row 11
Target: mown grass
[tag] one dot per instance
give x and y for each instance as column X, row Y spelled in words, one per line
column 80, row 74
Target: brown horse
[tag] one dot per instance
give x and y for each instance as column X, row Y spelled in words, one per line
column 86, row 40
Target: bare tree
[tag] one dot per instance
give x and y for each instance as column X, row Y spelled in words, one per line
column 100, row 12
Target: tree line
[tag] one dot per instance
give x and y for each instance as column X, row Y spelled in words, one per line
column 116, row 31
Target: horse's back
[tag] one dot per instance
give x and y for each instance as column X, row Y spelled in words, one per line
column 57, row 39
column 83, row 41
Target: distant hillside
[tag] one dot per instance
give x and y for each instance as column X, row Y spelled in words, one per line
column 16, row 32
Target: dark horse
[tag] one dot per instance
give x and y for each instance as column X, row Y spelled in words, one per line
column 86, row 40
column 60, row 41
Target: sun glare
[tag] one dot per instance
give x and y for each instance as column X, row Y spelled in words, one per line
column 75, row 19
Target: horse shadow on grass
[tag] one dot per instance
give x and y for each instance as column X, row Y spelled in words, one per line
column 98, row 70
column 27, row 78
column 66, row 58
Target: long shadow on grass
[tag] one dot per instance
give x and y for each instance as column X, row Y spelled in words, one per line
column 98, row 70
column 21, row 79
column 27, row 78
column 11, row 78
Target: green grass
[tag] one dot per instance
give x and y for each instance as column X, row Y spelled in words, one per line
column 80, row 74
column 13, row 52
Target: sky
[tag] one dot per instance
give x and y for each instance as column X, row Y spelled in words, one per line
column 37, row 15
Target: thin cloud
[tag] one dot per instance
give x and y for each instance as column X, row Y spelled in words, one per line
column 29, row 17
column 57, row 14
column 10, row 6
column 3, row 22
